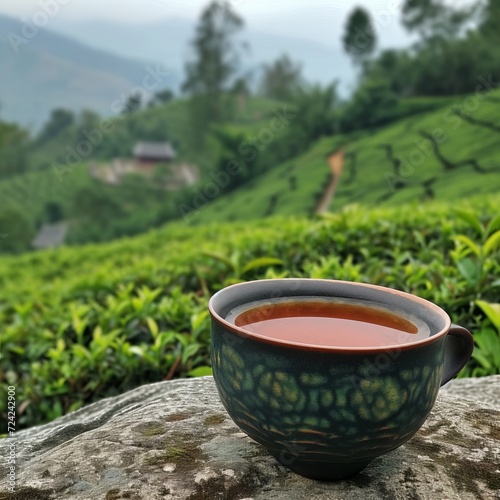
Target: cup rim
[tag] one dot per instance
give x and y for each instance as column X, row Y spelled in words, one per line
column 333, row 349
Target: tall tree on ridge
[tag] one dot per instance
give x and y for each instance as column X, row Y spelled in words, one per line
column 216, row 56
column 360, row 38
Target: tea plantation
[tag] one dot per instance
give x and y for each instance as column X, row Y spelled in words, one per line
column 80, row 324
column 444, row 154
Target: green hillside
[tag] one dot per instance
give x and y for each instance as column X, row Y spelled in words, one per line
column 136, row 205
column 442, row 155
column 170, row 121
column 465, row 162
column 79, row 324
column 94, row 211
column 292, row 188
column 32, row 192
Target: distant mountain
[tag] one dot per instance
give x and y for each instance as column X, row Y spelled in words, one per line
column 168, row 41
column 52, row 71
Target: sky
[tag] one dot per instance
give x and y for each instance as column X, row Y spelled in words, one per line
column 147, row 10
column 317, row 20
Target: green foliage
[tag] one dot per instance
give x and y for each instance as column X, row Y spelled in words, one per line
column 60, row 119
column 85, row 323
column 16, row 231
column 435, row 18
column 163, row 96
column 216, row 56
column 360, row 38
column 419, row 14
column 13, row 145
column 457, row 51
column 373, row 104
column 289, row 188
column 133, row 104
column 281, row 79
column 489, row 20
column 390, row 166
column 400, row 163
column 486, row 353
column 48, row 193
column 95, row 211
column 315, row 110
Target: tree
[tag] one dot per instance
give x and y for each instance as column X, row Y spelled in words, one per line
column 281, row 79
column 60, row 119
column 420, row 15
column 216, row 56
column 312, row 116
column 316, row 107
column 241, row 90
column 396, row 66
column 373, row 104
column 132, row 104
column 490, row 19
column 13, row 146
column 433, row 18
column 96, row 213
column 163, row 96
column 360, row 38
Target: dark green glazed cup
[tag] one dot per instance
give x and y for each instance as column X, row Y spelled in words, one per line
column 326, row 412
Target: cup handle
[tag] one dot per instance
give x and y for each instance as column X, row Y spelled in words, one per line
column 458, row 350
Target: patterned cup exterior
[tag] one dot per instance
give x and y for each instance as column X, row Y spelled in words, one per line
column 325, row 413
column 324, row 407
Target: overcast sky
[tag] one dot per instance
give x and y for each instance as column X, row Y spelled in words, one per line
column 144, row 10
column 318, row 20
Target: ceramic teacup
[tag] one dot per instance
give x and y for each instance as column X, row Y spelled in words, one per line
column 326, row 412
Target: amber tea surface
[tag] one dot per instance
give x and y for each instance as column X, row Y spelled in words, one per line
column 330, row 324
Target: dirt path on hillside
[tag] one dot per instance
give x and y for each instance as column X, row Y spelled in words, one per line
column 336, row 164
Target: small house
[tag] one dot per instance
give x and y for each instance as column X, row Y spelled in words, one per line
column 149, row 154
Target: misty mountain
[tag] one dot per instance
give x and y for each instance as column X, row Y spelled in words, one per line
column 52, row 70
column 168, row 40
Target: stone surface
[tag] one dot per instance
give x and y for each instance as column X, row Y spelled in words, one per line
column 481, row 390
column 173, row 440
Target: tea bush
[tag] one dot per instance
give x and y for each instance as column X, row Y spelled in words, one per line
column 80, row 324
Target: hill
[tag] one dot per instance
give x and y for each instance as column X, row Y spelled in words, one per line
column 55, row 189
column 79, row 324
column 445, row 154
column 291, row 188
column 52, row 71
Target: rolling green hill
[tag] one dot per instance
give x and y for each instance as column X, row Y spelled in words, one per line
column 445, row 155
column 434, row 155
column 292, row 188
column 166, row 122
column 54, row 186
column 32, row 192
